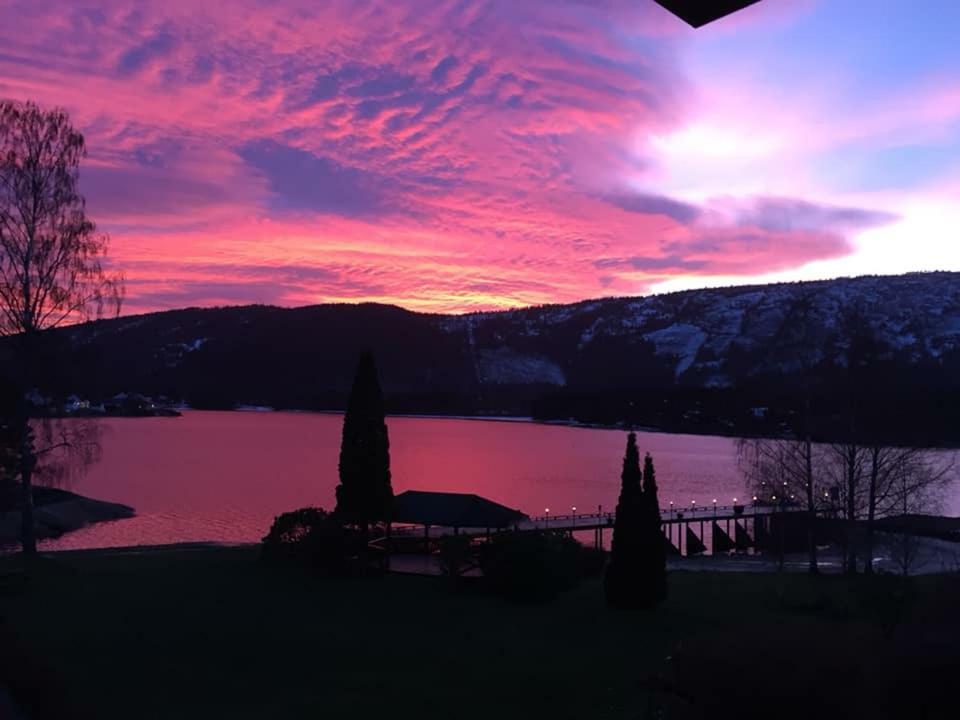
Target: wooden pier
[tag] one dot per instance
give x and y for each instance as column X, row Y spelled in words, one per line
column 691, row 531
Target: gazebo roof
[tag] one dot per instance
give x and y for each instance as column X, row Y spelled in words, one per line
column 447, row 509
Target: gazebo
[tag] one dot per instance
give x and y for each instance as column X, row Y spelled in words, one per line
column 452, row 510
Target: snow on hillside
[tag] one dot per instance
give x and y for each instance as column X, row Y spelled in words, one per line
column 915, row 315
column 712, row 337
column 680, row 340
column 504, row 366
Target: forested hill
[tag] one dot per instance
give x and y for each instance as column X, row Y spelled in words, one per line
column 708, row 359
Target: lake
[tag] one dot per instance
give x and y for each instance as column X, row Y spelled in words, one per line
column 224, row 476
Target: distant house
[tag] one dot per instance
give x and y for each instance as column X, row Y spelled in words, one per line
column 129, row 404
column 36, row 399
column 75, row 404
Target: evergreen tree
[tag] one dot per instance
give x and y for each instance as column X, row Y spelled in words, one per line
column 649, row 478
column 653, row 559
column 364, row 494
column 622, row 581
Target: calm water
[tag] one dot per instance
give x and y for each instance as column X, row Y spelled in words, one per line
column 224, row 475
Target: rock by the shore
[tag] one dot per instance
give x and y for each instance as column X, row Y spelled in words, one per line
column 59, row 511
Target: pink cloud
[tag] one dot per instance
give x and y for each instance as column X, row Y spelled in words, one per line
column 444, row 156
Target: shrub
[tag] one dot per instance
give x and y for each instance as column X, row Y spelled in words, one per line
column 317, row 539
column 531, row 566
column 592, row 561
column 289, row 530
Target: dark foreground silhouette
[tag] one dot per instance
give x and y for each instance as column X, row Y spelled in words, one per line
column 205, row 633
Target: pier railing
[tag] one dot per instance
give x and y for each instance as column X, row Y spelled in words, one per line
column 699, row 528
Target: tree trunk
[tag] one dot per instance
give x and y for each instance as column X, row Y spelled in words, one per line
column 871, row 509
column 783, row 531
column 851, row 549
column 811, row 507
column 28, row 536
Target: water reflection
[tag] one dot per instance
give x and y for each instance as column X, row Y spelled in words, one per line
column 224, row 476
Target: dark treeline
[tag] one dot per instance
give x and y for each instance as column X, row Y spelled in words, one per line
column 911, row 415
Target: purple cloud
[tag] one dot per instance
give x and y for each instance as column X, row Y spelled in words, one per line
column 647, row 204
column 790, row 214
column 301, row 180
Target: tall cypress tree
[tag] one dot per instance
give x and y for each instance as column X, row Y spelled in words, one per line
column 653, row 558
column 622, row 581
column 364, row 494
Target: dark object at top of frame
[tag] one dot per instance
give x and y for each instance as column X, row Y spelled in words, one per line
column 700, row 12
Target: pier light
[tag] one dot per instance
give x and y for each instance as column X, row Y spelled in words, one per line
column 754, row 498
column 574, row 508
column 734, row 501
column 714, row 501
column 774, row 497
column 547, row 510
column 671, row 504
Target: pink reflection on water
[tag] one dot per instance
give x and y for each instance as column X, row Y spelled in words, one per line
column 224, row 476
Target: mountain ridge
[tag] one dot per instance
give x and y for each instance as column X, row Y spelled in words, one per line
column 552, row 361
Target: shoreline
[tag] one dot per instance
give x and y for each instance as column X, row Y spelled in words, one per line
column 530, row 420
column 57, row 512
column 519, row 419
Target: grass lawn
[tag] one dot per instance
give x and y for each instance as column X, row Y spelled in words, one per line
column 214, row 633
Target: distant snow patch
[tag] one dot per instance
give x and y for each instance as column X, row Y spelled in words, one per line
column 506, row 366
column 681, row 340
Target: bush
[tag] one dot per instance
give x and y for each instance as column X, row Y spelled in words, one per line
column 317, row 539
column 291, row 528
column 592, row 561
column 531, row 566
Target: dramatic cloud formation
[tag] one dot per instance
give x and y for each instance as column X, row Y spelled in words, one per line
column 454, row 156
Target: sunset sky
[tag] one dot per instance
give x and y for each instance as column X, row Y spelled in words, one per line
column 459, row 155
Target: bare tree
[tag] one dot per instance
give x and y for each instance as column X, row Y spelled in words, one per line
column 915, row 484
column 784, row 472
column 807, row 355
column 51, row 261
column 851, row 457
column 874, row 481
column 785, row 467
column 843, row 469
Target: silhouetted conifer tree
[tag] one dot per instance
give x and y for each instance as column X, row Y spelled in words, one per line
column 637, row 574
column 653, row 565
column 364, row 494
column 622, row 581
column 649, row 477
